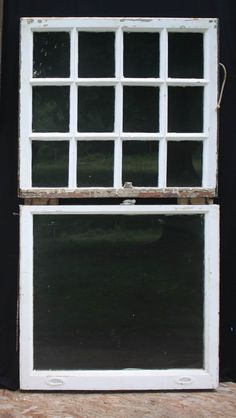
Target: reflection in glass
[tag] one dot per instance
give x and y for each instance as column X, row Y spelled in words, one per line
column 185, row 55
column 185, row 109
column 51, row 54
column 50, row 160
column 116, row 291
column 141, row 54
column 184, row 164
column 50, row 109
column 95, row 163
column 96, row 54
column 96, row 109
column 141, row 109
column 140, row 163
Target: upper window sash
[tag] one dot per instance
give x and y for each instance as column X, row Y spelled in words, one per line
column 138, row 130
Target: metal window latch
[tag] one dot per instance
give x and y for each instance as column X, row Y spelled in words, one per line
column 128, row 185
column 55, row 381
column 128, row 202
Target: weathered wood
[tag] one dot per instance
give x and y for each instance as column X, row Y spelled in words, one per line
column 122, row 193
column 201, row 201
column 53, row 202
column 183, row 201
column 198, row 201
column 41, row 201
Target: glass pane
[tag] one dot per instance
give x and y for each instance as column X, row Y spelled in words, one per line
column 96, row 54
column 50, row 161
column 116, row 292
column 51, row 109
column 184, row 164
column 51, row 56
column 141, row 109
column 96, row 109
column 141, row 54
column 185, row 109
column 140, row 163
column 185, row 55
column 95, row 163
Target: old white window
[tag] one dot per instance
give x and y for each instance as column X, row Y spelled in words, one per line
column 119, row 297
column 118, row 107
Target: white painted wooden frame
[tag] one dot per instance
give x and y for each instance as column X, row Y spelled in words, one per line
column 119, row 25
column 206, row 378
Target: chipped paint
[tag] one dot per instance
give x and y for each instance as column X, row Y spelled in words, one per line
column 123, row 192
column 140, row 19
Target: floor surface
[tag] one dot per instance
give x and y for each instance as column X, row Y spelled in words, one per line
column 214, row 404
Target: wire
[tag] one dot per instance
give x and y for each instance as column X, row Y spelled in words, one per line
column 223, row 85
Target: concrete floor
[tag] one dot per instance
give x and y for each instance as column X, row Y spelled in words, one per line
column 220, row 403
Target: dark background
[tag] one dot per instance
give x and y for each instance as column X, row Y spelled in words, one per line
column 225, row 10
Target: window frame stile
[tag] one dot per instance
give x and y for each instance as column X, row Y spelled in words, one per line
column 118, row 109
column 210, row 49
column 211, row 287
column 26, row 293
column 25, row 145
column 163, row 119
column 72, row 168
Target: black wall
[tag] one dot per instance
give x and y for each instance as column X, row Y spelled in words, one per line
column 225, row 10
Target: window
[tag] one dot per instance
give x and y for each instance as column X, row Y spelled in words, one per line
column 119, row 297
column 118, row 107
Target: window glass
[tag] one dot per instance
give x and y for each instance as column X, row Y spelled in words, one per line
column 140, row 163
column 51, row 54
column 184, row 164
column 95, row 163
column 141, row 109
column 185, row 55
column 50, row 161
column 96, row 54
column 185, row 109
column 141, row 54
column 51, row 109
column 117, row 292
column 96, row 109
